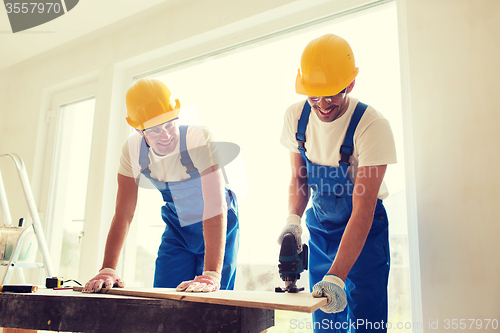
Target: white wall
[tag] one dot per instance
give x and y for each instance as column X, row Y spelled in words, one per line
column 452, row 50
column 454, row 47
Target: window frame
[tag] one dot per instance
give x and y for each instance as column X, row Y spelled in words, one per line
column 50, row 123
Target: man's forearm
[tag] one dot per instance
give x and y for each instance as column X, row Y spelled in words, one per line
column 126, row 201
column 352, row 243
column 214, row 218
column 214, row 233
column 298, row 191
column 298, row 196
column 114, row 243
column 364, row 201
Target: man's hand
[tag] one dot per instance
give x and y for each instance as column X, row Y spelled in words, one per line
column 209, row 281
column 106, row 279
column 333, row 288
column 292, row 226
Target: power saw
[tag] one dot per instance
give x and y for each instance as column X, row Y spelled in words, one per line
column 291, row 264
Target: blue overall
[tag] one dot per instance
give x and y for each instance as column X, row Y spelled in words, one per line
column 181, row 253
column 366, row 284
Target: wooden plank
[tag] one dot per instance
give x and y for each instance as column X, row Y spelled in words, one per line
column 299, row 302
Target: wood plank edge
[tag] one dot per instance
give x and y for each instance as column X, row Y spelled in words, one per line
column 183, row 296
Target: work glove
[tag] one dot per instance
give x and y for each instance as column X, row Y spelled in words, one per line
column 106, row 279
column 292, row 226
column 333, row 288
column 207, row 282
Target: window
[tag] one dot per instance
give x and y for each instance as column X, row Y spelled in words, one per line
column 69, row 184
column 242, row 96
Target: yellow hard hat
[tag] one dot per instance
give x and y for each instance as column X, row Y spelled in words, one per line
column 148, row 104
column 326, row 68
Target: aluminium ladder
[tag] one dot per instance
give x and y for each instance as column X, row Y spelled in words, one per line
column 12, row 237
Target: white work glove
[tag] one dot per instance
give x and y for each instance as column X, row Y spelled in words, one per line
column 333, row 288
column 207, row 282
column 106, row 279
column 292, row 226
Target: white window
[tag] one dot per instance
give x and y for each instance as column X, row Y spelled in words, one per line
column 68, row 151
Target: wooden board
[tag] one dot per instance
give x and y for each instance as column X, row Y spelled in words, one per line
column 299, row 302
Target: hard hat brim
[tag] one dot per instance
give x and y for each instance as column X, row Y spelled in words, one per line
column 161, row 119
column 301, row 89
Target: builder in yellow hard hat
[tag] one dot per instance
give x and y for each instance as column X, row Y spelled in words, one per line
column 200, row 243
column 339, row 150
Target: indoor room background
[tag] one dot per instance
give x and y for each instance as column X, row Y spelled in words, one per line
column 429, row 66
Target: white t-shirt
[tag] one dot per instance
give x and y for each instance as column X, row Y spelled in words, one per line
column 168, row 168
column 373, row 139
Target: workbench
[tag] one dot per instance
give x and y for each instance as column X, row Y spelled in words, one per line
column 69, row 311
column 73, row 311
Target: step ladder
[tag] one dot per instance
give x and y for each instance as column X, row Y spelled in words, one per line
column 16, row 240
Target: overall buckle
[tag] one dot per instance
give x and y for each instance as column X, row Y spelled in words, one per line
column 345, row 153
column 301, row 139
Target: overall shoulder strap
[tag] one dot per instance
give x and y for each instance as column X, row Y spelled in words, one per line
column 300, row 135
column 347, row 147
column 144, row 158
column 185, row 158
column 144, row 165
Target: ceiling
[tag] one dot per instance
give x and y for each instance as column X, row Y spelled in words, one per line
column 85, row 17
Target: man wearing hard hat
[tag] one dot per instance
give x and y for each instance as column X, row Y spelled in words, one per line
column 339, row 155
column 200, row 243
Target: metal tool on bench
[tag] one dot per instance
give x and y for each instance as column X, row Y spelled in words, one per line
column 292, row 263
